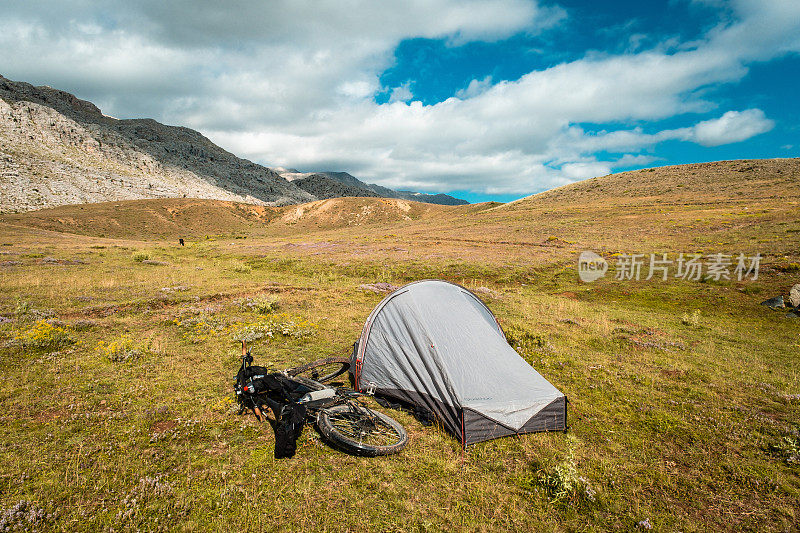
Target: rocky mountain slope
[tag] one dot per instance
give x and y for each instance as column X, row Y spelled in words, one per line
column 351, row 181
column 441, row 199
column 56, row 149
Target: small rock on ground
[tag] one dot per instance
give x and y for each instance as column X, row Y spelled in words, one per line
column 56, row 261
column 487, row 291
column 774, row 302
column 380, row 287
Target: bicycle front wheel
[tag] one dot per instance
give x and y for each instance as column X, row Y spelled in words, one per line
column 322, row 370
column 361, row 431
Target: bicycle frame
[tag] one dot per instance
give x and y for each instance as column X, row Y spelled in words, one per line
column 336, row 412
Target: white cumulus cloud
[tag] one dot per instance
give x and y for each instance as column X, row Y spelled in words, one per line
column 733, row 126
column 294, row 84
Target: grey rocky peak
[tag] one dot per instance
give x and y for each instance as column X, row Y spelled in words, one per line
column 57, row 149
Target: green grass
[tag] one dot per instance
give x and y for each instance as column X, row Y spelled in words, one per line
column 683, row 395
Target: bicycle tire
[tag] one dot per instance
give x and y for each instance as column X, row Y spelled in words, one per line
column 361, row 431
column 321, row 370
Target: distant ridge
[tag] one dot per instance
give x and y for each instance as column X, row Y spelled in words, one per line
column 323, row 187
column 727, row 206
column 354, row 183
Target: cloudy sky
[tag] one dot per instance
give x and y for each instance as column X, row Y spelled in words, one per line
column 485, row 99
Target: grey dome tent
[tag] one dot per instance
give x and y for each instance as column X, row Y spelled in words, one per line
column 436, row 345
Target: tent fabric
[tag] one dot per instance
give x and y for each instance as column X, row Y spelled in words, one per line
column 435, row 344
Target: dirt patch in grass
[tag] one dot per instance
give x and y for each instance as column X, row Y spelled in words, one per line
column 49, row 415
column 163, row 426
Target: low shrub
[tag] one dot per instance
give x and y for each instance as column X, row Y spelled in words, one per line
column 198, row 328
column 25, row 516
column 140, row 256
column 789, row 267
column 120, row 350
column 43, row 336
column 242, row 268
column 284, row 325
column 24, row 310
column 560, row 482
column 263, row 305
column 752, row 289
column 524, row 341
column 788, row 449
column 692, row 319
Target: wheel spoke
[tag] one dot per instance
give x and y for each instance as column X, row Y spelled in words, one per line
column 364, row 428
column 356, row 429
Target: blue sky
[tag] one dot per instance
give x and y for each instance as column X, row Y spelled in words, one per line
column 489, row 100
column 434, row 70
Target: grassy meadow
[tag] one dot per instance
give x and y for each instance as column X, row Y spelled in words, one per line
column 118, row 348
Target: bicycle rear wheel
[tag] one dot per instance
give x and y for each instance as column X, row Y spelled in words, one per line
column 322, row 370
column 361, row 431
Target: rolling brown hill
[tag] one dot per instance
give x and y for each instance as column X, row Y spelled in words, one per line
column 719, row 181
column 728, row 207
column 731, row 206
column 171, row 218
column 168, row 218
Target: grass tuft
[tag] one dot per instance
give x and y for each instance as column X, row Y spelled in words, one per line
column 140, row 256
column 242, row 268
column 691, row 319
column 120, row 350
column 561, row 482
column 788, row 449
